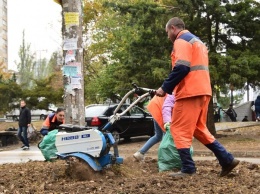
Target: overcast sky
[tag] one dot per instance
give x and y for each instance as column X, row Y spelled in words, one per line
column 41, row 20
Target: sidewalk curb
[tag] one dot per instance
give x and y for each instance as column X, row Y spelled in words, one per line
column 227, row 128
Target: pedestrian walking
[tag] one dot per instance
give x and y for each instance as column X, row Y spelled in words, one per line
column 190, row 81
column 23, row 124
column 231, row 113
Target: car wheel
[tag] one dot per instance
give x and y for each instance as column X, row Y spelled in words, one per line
column 15, row 118
column 116, row 136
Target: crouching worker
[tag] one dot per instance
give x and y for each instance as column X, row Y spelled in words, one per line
column 52, row 121
column 49, row 131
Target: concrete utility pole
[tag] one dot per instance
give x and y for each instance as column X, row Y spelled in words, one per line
column 73, row 61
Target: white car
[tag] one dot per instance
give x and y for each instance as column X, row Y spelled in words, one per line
column 40, row 114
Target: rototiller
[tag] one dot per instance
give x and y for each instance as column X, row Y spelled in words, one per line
column 91, row 145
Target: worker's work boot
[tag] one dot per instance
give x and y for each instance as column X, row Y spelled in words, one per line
column 188, row 165
column 138, row 156
column 225, row 158
column 227, row 169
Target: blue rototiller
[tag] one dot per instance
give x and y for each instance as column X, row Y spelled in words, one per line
column 91, row 145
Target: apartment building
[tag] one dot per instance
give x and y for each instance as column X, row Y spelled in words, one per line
column 3, row 36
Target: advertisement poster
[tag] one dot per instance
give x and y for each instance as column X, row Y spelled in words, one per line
column 75, row 82
column 70, row 56
column 71, row 18
column 70, row 45
column 70, row 70
column 71, row 27
column 72, row 67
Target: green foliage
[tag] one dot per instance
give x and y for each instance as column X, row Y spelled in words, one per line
column 53, row 64
column 129, row 43
column 43, row 94
column 39, row 97
column 39, row 85
column 25, row 65
column 130, row 49
column 13, row 78
column 29, row 69
column 10, row 92
column 224, row 101
column 231, row 31
column 42, row 69
column 243, row 21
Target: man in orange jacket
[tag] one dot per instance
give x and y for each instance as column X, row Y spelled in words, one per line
column 190, row 81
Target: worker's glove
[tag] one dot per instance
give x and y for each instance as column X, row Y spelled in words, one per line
column 139, row 91
column 44, row 132
column 167, row 126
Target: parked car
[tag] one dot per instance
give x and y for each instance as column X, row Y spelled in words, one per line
column 40, row 114
column 135, row 122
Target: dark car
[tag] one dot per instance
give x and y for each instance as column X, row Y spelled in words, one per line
column 135, row 122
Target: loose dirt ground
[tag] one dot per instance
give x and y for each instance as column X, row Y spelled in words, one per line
column 139, row 177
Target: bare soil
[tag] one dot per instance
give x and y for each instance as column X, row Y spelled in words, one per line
column 139, row 177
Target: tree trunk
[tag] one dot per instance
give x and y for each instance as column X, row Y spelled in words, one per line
column 73, row 62
column 210, row 119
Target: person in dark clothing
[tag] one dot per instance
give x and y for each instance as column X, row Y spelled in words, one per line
column 232, row 113
column 257, row 108
column 53, row 121
column 245, row 119
column 24, row 123
column 216, row 112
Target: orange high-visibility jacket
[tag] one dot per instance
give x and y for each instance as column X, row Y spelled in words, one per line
column 190, row 51
column 51, row 122
column 155, row 108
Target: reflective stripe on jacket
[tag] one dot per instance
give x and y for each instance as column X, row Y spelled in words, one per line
column 188, row 50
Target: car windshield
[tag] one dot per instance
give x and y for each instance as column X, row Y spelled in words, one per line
column 93, row 111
